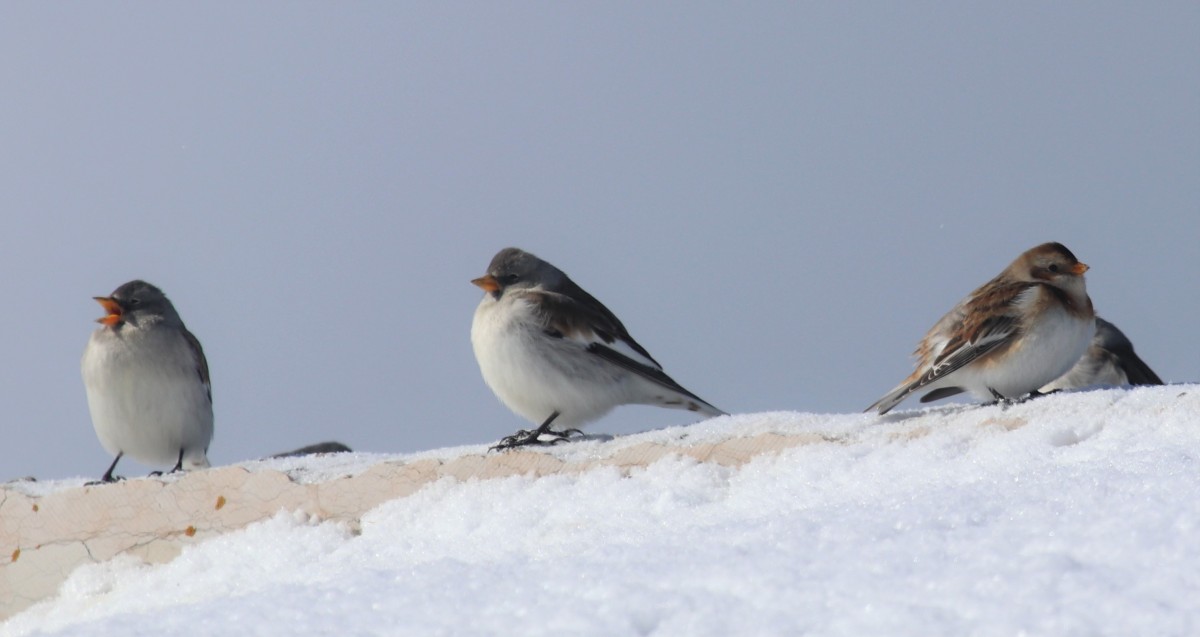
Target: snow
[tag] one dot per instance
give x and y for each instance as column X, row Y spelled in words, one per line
column 1074, row 514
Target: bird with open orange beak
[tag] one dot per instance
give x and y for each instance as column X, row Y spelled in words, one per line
column 1019, row 331
column 147, row 382
column 113, row 307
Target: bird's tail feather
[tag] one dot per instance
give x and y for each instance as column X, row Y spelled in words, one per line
column 688, row 402
column 892, row 398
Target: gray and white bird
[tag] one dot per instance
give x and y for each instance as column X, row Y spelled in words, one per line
column 147, row 382
column 1019, row 331
column 556, row 356
column 1109, row 360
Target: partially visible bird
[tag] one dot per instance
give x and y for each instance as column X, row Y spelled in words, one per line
column 147, row 382
column 556, row 356
column 1017, row 332
column 1109, row 360
column 331, row 446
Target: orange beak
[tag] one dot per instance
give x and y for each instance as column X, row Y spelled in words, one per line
column 112, row 307
column 1079, row 268
column 487, row 282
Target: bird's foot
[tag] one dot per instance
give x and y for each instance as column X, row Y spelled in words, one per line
column 107, row 479
column 1000, row 399
column 1006, row 402
column 1033, row 394
column 535, row 437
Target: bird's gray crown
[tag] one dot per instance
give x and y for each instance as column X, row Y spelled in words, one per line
column 513, row 266
column 145, row 301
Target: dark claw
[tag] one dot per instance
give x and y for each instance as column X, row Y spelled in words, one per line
column 1008, row 402
column 1031, row 395
column 107, row 479
column 527, row 437
column 108, row 475
column 533, row 437
column 521, row 438
column 177, row 469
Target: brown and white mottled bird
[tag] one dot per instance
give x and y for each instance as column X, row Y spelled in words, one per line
column 147, row 382
column 556, row 356
column 1109, row 360
column 1011, row 336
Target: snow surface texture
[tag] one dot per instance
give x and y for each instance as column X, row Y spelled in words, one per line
column 1074, row 514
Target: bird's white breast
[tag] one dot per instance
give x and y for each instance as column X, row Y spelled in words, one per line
column 536, row 375
column 146, row 397
column 1049, row 346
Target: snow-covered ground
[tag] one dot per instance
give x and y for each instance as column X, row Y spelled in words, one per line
column 1075, row 514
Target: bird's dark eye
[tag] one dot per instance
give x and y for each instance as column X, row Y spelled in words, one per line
column 1053, row 267
column 507, row 279
column 134, row 301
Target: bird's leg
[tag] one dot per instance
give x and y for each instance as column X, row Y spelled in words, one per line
column 1000, row 399
column 1033, row 394
column 525, row 437
column 108, row 475
column 178, row 466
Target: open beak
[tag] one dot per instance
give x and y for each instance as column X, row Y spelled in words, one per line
column 112, row 307
column 487, row 282
column 1079, row 268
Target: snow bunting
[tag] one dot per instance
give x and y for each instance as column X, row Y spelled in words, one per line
column 1110, row 360
column 1018, row 332
column 147, row 382
column 555, row 355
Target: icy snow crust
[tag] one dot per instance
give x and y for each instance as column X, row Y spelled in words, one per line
column 1074, row 514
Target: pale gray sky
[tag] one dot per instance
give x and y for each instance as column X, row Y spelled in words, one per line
column 778, row 199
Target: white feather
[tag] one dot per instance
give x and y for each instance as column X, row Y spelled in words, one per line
column 618, row 345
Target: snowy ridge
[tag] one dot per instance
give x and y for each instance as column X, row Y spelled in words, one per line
column 1074, row 514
